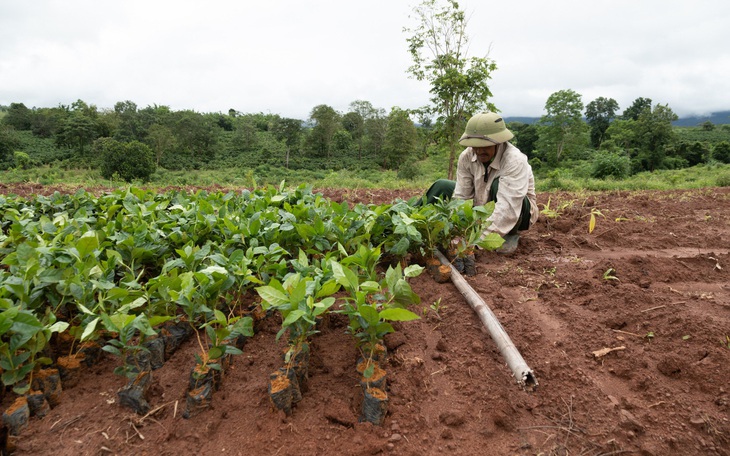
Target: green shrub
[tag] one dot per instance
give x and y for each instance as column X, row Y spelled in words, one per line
column 22, row 160
column 128, row 161
column 610, row 164
column 721, row 152
column 409, row 170
column 674, row 163
column 723, row 180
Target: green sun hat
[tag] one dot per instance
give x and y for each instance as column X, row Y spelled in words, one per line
column 485, row 129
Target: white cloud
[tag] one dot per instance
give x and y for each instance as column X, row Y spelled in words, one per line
column 286, row 56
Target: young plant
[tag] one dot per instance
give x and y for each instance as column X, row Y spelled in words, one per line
column 300, row 301
column 22, row 338
column 610, row 274
column 221, row 332
column 592, row 222
column 127, row 346
column 372, row 306
column 436, row 307
column 469, row 224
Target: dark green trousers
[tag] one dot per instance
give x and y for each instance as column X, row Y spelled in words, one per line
column 444, row 189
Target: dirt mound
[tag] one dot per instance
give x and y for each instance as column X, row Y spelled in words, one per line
column 627, row 329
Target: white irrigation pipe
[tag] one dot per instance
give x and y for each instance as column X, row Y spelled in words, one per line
column 522, row 373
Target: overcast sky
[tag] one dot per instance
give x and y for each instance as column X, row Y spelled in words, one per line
column 287, row 56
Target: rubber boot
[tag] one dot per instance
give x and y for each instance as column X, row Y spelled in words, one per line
column 510, row 244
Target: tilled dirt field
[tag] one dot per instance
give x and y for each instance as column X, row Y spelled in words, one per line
column 651, row 282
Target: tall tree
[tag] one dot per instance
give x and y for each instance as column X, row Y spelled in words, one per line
column 18, row 116
column 129, row 127
column 46, row 121
column 8, row 142
column 562, row 125
column 244, row 138
column 639, row 105
column 161, row 140
column 655, row 133
column 374, row 122
column 438, row 48
column 195, row 138
column 599, row 114
column 400, row 139
column 326, row 123
column 80, row 128
column 375, row 129
column 289, row 131
column 354, row 123
column 526, row 137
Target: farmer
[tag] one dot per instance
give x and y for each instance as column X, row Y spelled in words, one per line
column 492, row 169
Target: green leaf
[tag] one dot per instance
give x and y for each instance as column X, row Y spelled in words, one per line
column 383, row 328
column 299, row 293
column 111, row 349
column 398, row 314
column 139, row 302
column 272, row 296
column 220, row 317
column 401, row 247
column 352, row 278
column 156, row 320
column 413, row 270
column 89, row 329
column 84, row 309
column 215, row 352
column 339, row 274
column 25, row 326
column 491, row 241
column 231, row 350
column 403, row 293
column 211, row 270
column 368, row 372
column 327, row 289
column 293, row 316
column 369, row 314
column 59, row 327
column 322, row 306
column 6, row 319
column 244, row 327
column 370, row 286
column 87, row 244
column 143, row 325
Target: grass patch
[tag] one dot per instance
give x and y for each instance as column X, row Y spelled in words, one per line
column 574, row 179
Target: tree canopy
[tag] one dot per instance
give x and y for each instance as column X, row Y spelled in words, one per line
column 438, row 45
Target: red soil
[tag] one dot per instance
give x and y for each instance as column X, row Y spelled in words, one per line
column 653, row 277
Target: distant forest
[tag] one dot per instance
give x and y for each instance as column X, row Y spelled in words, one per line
column 132, row 143
column 717, row 118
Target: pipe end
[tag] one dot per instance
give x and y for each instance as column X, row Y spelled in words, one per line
column 528, row 381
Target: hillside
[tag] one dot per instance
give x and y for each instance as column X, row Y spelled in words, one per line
column 717, row 118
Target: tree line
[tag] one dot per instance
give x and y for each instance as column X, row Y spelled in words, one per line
column 131, row 142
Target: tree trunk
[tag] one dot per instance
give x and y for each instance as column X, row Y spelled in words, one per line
column 452, row 154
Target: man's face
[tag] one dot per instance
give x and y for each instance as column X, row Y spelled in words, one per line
column 485, row 154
